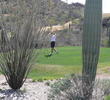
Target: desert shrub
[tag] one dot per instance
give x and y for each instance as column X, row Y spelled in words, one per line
column 33, row 80
column 67, row 88
column 17, row 51
column 47, row 83
column 71, row 89
column 40, row 80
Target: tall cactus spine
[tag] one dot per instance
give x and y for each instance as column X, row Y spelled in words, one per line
column 91, row 44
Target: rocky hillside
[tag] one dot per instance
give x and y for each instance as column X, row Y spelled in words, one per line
column 57, row 13
column 61, row 12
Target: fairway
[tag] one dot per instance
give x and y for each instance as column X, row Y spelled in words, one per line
column 67, row 61
column 66, row 56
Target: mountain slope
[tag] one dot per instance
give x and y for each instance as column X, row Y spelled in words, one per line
column 61, row 12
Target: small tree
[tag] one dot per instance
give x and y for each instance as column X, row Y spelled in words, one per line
column 22, row 20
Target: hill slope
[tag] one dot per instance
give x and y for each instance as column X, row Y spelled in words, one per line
column 61, row 12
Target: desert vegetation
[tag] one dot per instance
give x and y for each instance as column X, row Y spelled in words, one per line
column 68, row 75
column 17, row 40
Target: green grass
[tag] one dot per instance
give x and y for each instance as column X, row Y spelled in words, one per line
column 107, row 98
column 66, row 56
column 48, row 72
column 67, row 61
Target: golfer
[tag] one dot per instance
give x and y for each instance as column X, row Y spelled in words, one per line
column 52, row 44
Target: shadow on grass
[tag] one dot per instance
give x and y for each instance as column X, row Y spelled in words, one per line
column 49, row 55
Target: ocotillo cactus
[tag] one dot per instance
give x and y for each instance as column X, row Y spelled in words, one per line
column 91, row 44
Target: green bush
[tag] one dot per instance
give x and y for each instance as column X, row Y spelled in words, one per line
column 40, row 80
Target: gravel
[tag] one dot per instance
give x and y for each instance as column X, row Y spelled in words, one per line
column 29, row 91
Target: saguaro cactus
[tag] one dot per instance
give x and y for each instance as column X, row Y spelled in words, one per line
column 91, row 44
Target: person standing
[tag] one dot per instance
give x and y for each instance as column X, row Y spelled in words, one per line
column 52, row 43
